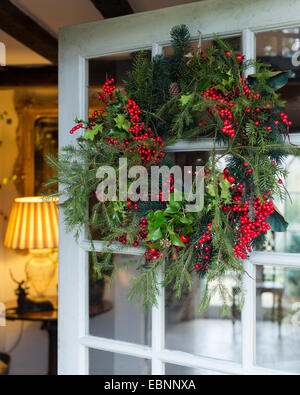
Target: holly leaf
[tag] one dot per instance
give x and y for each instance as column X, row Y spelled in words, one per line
column 211, row 190
column 90, row 134
column 176, row 240
column 277, row 222
column 122, row 122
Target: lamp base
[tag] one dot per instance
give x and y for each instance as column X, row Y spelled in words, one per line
column 40, row 271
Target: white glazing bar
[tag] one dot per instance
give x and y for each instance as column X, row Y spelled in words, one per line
column 158, row 312
column 249, row 309
column 201, row 144
column 117, row 346
column 83, row 283
column 115, row 248
column 275, row 259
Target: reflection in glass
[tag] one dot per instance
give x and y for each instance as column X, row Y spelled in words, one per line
column 184, row 370
column 106, row 363
column 288, row 241
column 278, row 318
column 116, row 66
column 279, row 48
column 209, row 334
column 111, row 315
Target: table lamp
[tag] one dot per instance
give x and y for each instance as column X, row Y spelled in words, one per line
column 33, row 227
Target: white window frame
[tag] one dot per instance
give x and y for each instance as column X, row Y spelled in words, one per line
column 149, row 30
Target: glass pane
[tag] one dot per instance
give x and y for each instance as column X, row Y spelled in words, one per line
column 116, row 66
column 280, row 49
column 184, row 370
column 209, row 334
column 288, row 241
column 106, row 363
column 111, row 315
column 278, row 318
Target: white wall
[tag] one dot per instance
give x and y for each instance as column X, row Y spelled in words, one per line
column 31, row 356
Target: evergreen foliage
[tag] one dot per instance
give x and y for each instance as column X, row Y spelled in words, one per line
column 214, row 100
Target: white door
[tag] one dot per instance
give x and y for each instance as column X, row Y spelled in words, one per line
column 123, row 340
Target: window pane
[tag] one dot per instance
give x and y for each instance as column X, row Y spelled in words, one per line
column 111, row 315
column 278, row 48
column 106, row 363
column 278, row 318
column 209, row 334
column 288, row 241
column 184, row 370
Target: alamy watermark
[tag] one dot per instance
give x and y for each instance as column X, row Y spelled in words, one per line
column 141, row 184
column 2, row 314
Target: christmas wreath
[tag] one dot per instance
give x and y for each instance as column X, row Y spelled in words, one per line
column 186, row 95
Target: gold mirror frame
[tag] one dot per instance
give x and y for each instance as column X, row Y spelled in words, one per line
column 30, row 106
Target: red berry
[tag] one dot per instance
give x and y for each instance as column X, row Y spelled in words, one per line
column 231, row 179
column 184, row 238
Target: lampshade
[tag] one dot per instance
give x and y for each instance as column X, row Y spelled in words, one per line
column 33, row 224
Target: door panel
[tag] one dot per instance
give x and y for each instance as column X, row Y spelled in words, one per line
column 79, row 47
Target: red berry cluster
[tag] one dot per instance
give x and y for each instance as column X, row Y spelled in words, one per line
column 227, row 128
column 107, row 90
column 251, row 229
column 79, row 126
column 130, row 204
column 123, row 239
column 228, row 176
column 204, row 248
column 152, row 254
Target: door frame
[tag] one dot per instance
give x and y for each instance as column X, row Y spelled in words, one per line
column 150, row 30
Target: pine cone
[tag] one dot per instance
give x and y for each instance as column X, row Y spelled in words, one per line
column 174, row 89
column 165, row 243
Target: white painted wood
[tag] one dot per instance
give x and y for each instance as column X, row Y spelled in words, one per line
column 115, row 247
column 72, row 357
column 249, row 282
column 116, row 346
column 158, row 332
column 140, row 30
column 127, row 34
column 158, row 312
column 249, row 317
column 174, row 357
column 282, row 259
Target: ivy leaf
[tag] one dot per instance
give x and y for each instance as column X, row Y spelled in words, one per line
column 122, row 122
column 184, row 99
column 277, row 222
column 187, row 220
column 176, row 240
column 90, row 134
column 173, row 208
column 154, row 235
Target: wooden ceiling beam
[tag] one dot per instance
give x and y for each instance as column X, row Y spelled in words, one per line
column 12, row 76
column 113, row 8
column 25, row 30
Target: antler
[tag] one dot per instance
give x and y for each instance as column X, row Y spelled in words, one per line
column 12, row 277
